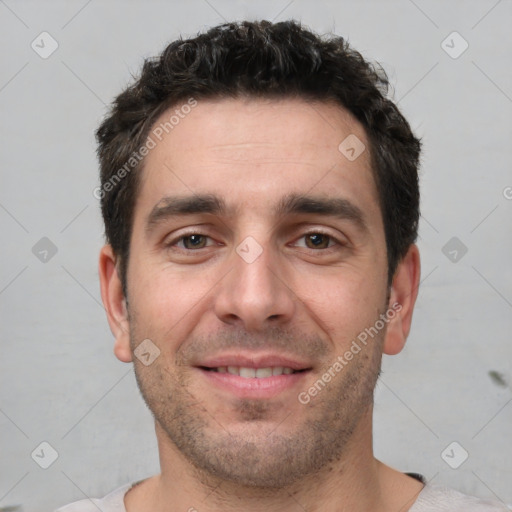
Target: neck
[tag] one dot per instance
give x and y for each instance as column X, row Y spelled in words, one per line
column 356, row 483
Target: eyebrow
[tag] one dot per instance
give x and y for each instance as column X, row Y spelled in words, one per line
column 175, row 206
column 292, row 204
column 338, row 207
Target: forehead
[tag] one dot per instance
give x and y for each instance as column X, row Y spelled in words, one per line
column 257, row 126
column 253, row 152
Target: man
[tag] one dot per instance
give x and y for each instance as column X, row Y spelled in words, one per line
column 260, row 198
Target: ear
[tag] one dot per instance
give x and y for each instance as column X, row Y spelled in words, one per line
column 115, row 303
column 402, row 297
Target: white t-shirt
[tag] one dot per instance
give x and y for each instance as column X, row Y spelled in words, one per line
column 430, row 499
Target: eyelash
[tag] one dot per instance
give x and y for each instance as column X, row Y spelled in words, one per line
column 337, row 243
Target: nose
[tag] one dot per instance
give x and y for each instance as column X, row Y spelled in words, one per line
column 254, row 295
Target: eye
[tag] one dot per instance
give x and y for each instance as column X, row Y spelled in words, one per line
column 318, row 240
column 191, row 241
column 312, row 240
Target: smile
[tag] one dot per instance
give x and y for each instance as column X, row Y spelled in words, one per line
column 254, row 373
column 254, row 383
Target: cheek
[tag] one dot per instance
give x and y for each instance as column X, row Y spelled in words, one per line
column 168, row 305
column 344, row 305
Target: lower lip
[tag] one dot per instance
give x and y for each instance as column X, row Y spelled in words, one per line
column 266, row 387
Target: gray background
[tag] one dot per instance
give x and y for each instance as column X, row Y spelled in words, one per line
column 60, row 381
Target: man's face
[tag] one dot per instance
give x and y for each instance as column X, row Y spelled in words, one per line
column 273, row 284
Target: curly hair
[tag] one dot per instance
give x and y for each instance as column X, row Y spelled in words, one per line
column 262, row 60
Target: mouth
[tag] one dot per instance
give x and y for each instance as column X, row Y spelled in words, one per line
column 252, row 377
column 254, row 373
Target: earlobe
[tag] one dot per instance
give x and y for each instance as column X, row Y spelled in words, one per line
column 115, row 303
column 403, row 294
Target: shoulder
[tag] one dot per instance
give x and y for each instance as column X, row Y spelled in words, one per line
column 444, row 499
column 81, row 506
column 112, row 502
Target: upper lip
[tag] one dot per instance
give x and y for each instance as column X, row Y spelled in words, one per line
column 254, row 361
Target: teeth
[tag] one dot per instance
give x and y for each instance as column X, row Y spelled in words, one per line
column 254, row 373
column 261, row 373
column 247, row 373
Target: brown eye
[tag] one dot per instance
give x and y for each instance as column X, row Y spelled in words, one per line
column 193, row 241
column 317, row 241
